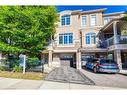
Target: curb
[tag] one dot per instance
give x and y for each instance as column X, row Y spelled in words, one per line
column 123, row 74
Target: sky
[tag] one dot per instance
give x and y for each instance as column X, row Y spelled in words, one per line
column 110, row 9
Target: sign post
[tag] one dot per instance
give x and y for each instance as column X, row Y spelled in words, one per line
column 22, row 61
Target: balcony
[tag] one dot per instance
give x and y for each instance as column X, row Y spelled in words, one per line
column 121, row 42
column 122, row 39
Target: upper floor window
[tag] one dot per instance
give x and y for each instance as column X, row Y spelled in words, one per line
column 91, row 38
column 84, row 20
column 106, row 20
column 66, row 38
column 65, row 20
column 93, row 20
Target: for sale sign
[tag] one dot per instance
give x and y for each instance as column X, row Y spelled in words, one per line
column 22, row 62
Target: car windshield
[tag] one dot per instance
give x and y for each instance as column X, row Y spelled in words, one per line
column 103, row 61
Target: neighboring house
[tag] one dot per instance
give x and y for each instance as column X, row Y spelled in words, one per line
column 79, row 35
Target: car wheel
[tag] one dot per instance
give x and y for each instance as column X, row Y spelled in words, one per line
column 95, row 70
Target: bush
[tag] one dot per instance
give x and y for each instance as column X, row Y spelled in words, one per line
column 4, row 68
column 13, row 62
column 32, row 62
column 17, row 68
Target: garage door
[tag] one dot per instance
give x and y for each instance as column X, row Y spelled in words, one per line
column 66, row 62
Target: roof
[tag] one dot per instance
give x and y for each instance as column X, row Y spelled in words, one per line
column 110, row 22
column 115, row 19
column 94, row 11
column 114, row 13
column 83, row 12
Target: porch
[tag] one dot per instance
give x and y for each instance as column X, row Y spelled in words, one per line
column 61, row 58
column 113, row 36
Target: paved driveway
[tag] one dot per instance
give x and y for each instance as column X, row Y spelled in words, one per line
column 68, row 75
column 107, row 80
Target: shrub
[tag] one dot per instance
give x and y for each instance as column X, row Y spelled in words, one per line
column 32, row 62
column 4, row 68
column 17, row 68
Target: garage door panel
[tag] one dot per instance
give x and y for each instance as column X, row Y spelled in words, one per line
column 65, row 62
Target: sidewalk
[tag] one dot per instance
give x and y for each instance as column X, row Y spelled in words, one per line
column 9, row 83
column 70, row 86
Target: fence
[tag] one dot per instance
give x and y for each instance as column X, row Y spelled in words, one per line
column 32, row 65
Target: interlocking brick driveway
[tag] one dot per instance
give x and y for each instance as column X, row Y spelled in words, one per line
column 68, row 75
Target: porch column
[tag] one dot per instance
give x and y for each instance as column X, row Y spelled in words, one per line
column 117, row 58
column 115, row 32
column 78, row 60
column 50, row 58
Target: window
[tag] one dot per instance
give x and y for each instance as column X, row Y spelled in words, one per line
column 87, row 39
column 84, row 20
column 93, row 20
column 65, row 20
column 106, row 20
column 90, row 38
column 66, row 38
column 61, row 39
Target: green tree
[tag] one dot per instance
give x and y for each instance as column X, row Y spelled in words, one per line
column 26, row 29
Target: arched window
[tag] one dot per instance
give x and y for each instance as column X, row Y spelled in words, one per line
column 90, row 38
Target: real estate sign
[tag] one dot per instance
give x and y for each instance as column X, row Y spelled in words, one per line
column 22, row 62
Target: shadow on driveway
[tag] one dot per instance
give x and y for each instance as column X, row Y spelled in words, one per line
column 68, row 75
column 89, row 70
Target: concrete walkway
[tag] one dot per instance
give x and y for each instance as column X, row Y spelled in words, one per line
column 9, row 83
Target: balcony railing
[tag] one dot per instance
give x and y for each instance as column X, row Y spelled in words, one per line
column 109, row 42
column 122, row 39
column 106, row 43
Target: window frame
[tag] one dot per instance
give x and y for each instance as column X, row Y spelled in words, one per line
column 66, row 38
column 82, row 21
column 64, row 19
column 91, row 20
column 108, row 20
column 88, row 38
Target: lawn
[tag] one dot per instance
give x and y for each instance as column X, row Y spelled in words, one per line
column 28, row 75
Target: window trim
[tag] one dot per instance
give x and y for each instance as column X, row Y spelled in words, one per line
column 91, row 19
column 67, row 42
column 82, row 21
column 65, row 20
column 108, row 20
column 90, row 40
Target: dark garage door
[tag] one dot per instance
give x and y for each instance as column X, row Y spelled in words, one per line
column 66, row 62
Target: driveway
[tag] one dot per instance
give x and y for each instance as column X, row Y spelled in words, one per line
column 67, row 74
column 106, row 80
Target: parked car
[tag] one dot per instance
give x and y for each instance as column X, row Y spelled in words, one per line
column 103, row 65
column 84, row 61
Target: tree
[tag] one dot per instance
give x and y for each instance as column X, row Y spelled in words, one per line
column 26, row 29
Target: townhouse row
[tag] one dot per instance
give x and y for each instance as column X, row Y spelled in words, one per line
column 83, row 34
